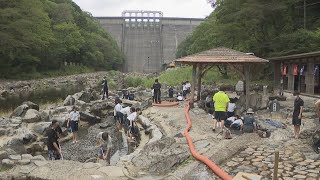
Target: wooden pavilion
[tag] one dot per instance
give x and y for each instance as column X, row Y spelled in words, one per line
column 203, row 61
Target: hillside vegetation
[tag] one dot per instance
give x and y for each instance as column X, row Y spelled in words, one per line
column 266, row 28
column 38, row 36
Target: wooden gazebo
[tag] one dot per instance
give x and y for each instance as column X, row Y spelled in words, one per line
column 205, row 60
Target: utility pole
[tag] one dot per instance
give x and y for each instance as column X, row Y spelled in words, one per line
column 304, row 14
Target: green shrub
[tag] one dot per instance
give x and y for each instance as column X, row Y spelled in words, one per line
column 132, row 81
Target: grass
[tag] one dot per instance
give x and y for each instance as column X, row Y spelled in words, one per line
column 4, row 168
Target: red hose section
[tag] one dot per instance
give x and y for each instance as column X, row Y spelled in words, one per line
column 216, row 169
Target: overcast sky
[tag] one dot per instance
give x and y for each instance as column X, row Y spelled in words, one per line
column 170, row 8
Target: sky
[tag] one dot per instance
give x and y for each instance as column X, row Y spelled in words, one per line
column 170, row 8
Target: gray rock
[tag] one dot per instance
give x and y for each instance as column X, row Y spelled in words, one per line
column 61, row 119
column 40, row 127
column 31, row 116
column 16, row 120
column 40, row 163
column 26, row 156
column 85, row 97
column 32, row 105
column 3, row 155
column 38, row 158
column 20, row 111
column 85, row 116
column 35, row 147
column 16, row 145
column 97, row 107
column 161, row 156
column 59, row 110
column 15, row 157
column 24, row 161
column 45, row 116
column 7, row 162
column 3, row 132
column 4, row 122
column 69, row 101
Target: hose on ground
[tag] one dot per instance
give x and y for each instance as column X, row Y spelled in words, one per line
column 216, row 169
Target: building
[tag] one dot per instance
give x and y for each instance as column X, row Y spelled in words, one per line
column 299, row 72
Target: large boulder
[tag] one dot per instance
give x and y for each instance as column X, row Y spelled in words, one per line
column 45, row 116
column 62, row 119
column 256, row 101
column 41, row 127
column 20, row 111
column 69, row 101
column 161, row 156
column 16, row 146
column 31, row 116
column 26, row 136
column 32, row 105
column 91, row 119
column 3, row 132
column 98, row 107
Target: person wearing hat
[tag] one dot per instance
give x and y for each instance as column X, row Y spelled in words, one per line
column 249, row 123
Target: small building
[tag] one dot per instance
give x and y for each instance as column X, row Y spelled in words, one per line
column 299, row 72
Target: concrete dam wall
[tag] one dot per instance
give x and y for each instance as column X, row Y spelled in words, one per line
column 148, row 42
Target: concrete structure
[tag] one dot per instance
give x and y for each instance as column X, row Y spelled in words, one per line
column 298, row 72
column 148, row 40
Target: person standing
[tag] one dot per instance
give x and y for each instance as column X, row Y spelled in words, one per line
column 297, row 114
column 105, row 144
column 73, row 122
column 231, row 108
column 157, row 93
column 105, row 88
column 171, row 92
column 54, row 151
column 221, row 101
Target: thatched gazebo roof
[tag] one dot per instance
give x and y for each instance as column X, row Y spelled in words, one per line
column 205, row 60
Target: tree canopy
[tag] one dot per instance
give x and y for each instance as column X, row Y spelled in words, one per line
column 40, row 35
column 266, row 28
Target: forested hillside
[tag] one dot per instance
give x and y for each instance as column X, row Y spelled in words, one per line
column 40, row 35
column 267, row 28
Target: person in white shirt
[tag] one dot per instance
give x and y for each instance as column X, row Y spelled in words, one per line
column 125, row 112
column 184, row 90
column 179, row 97
column 231, row 108
column 237, row 123
column 73, row 123
column 188, row 86
column 117, row 114
column 132, row 120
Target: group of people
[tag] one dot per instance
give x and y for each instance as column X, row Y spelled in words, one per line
column 126, row 119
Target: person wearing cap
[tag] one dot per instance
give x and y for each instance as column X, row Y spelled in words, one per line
column 249, row 123
column 297, row 113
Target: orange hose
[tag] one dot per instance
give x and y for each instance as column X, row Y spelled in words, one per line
column 216, row 169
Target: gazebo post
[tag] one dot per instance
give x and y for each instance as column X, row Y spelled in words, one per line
column 247, row 80
column 199, row 72
column 194, row 82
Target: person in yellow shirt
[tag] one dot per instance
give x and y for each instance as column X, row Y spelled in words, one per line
column 221, row 101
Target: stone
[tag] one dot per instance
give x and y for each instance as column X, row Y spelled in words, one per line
column 26, row 156
column 31, row 105
column 40, row 163
column 309, row 160
column 19, row 111
column 91, row 165
column 245, row 162
column 35, row 147
column 161, row 156
column 38, row 158
column 3, row 155
column 298, row 176
column 24, row 161
column 59, row 110
column 232, row 163
column 256, row 160
column 265, row 173
column 45, row 116
column 7, row 162
column 249, row 150
column 16, row 120
column 3, row 131
column 313, row 171
column 26, row 136
column 15, row 157
column 69, row 101
column 61, row 119
column 91, row 119
column 313, row 175
column 301, row 172
column 112, row 171
column 238, row 159
column 40, row 127
column 31, row 116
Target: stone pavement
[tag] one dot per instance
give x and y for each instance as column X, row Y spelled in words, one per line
column 297, row 161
